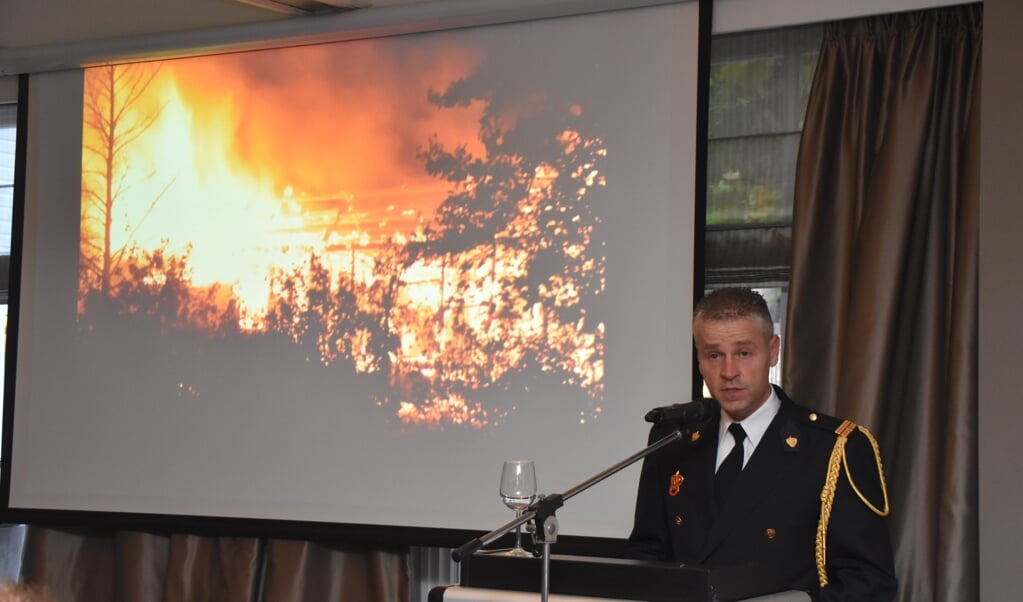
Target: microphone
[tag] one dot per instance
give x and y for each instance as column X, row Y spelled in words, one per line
column 684, row 413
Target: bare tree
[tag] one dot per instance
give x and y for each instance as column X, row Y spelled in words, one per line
column 113, row 119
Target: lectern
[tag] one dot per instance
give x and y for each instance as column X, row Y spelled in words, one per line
column 616, row 579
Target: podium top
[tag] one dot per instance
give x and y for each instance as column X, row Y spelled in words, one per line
column 619, row 578
column 457, row 593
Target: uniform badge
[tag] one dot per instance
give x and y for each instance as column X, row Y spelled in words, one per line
column 675, row 484
column 789, row 438
column 694, row 437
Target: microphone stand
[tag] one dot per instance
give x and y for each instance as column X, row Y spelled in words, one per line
column 542, row 511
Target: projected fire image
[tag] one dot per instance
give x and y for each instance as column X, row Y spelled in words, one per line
column 387, row 218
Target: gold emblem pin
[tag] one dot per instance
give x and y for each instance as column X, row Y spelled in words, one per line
column 791, row 441
column 695, row 436
column 675, row 484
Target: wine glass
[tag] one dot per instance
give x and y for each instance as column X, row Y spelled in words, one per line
column 518, row 491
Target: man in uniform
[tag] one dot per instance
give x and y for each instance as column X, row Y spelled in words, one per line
column 803, row 496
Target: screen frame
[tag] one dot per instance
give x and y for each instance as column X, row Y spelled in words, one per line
column 307, row 530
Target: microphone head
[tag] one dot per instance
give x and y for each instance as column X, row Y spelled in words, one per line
column 656, row 415
column 684, row 413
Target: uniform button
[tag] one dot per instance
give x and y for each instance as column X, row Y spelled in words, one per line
column 770, row 533
column 678, row 521
column 813, row 417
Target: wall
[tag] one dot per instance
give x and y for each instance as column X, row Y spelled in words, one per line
column 1001, row 289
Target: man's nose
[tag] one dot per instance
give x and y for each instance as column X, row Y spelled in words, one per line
column 730, row 368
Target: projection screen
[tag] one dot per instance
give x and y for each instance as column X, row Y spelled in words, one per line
column 342, row 282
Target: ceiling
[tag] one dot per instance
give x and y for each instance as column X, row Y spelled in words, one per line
column 315, row 7
column 304, row 7
column 32, row 26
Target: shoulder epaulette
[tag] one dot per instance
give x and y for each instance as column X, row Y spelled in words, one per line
column 845, row 428
column 838, row 460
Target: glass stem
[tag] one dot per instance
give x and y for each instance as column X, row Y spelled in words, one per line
column 518, row 532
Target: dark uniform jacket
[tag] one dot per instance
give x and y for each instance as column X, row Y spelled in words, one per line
column 773, row 514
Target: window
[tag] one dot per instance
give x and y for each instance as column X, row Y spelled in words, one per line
column 759, row 84
column 8, row 121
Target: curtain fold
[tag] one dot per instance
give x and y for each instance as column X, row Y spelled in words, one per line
column 207, row 569
column 301, row 570
column 72, row 565
column 127, row 566
column 140, row 558
column 882, row 313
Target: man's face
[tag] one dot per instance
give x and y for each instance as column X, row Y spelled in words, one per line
column 735, row 359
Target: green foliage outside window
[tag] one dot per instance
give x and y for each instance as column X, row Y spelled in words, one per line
column 759, row 84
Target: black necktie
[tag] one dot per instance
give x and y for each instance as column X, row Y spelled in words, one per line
column 729, row 470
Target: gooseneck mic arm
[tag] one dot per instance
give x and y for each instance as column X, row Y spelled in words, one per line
column 546, row 506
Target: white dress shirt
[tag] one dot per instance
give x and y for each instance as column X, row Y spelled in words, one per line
column 755, row 426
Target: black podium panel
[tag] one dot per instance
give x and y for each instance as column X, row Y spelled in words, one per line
column 618, row 578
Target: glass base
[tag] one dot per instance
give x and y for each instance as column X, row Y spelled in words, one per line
column 518, row 552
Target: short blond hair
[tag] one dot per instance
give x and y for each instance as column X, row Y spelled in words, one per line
column 24, row 592
column 734, row 303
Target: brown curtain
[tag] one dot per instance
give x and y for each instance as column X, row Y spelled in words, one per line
column 882, row 312
column 77, row 566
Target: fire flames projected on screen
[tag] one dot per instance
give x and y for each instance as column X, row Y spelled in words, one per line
column 430, row 241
